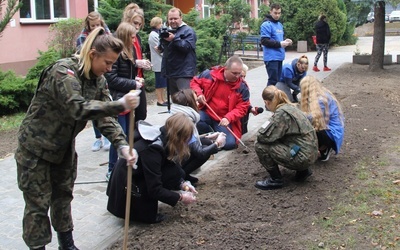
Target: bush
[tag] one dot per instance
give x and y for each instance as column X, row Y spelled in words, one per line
column 44, row 60
column 150, row 83
column 64, row 34
column 15, row 93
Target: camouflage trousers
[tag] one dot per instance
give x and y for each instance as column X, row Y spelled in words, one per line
column 274, row 154
column 45, row 186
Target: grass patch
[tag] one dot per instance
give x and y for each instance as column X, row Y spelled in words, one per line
column 9, row 122
column 367, row 215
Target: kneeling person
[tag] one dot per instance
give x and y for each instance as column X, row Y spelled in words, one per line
column 288, row 140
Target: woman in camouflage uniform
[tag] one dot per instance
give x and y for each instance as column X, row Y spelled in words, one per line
column 288, row 139
column 70, row 92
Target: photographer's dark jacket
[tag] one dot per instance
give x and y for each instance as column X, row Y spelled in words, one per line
column 121, row 80
column 179, row 58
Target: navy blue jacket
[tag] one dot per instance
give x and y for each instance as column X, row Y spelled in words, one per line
column 179, row 58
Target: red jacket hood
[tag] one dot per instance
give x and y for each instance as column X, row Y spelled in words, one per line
column 217, row 72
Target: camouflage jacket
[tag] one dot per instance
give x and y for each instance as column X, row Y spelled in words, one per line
column 290, row 127
column 63, row 102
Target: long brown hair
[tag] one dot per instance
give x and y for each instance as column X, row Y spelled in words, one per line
column 179, row 131
column 93, row 16
column 185, row 97
column 125, row 31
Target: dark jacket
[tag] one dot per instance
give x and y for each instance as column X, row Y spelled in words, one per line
column 323, row 32
column 152, row 181
column 179, row 58
column 121, row 80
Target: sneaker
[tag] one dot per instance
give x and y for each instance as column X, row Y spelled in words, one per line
column 325, row 154
column 107, row 144
column 97, row 145
column 315, row 68
column 108, row 175
column 327, row 69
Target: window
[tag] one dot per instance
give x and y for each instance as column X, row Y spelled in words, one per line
column 43, row 10
column 206, row 9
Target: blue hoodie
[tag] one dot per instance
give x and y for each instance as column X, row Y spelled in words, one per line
column 272, row 29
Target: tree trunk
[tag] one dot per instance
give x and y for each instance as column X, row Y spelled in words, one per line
column 378, row 44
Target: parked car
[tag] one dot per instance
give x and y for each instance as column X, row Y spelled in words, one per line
column 394, row 16
column 370, row 17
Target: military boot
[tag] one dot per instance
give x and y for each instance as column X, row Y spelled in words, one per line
column 65, row 241
column 37, row 248
column 273, row 182
column 302, row 175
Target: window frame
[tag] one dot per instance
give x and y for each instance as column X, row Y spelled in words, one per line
column 52, row 19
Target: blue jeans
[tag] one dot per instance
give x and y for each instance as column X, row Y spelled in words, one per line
column 123, row 120
column 274, row 71
column 205, row 120
column 96, row 131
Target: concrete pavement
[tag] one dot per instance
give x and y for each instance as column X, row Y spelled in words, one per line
column 95, row 227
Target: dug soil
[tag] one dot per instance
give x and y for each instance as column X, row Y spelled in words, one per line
column 232, row 214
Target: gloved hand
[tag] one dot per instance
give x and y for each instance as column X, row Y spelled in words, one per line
column 284, row 44
column 143, row 64
column 212, row 136
column 131, row 159
column 131, row 100
column 187, row 198
column 221, row 139
column 188, row 187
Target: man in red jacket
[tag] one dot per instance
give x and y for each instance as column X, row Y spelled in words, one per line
column 224, row 99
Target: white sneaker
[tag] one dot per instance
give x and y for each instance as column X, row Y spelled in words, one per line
column 108, row 175
column 107, row 144
column 97, row 145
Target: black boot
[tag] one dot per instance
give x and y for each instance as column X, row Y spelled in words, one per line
column 37, row 248
column 273, row 182
column 302, row 175
column 65, row 241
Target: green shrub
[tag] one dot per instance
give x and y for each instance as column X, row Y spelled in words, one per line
column 45, row 59
column 150, row 83
column 15, row 93
column 63, row 35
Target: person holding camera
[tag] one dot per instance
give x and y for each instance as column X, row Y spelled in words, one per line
column 179, row 58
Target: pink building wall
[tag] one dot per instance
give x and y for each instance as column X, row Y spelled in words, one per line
column 20, row 43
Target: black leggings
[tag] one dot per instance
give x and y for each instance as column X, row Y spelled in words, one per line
column 324, row 140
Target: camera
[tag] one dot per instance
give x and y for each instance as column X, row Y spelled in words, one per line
column 164, row 32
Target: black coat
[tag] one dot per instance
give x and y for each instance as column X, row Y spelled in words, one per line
column 121, row 80
column 153, row 181
column 179, row 57
column 323, row 32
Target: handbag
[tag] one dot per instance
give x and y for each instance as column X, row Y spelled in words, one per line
column 314, row 38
